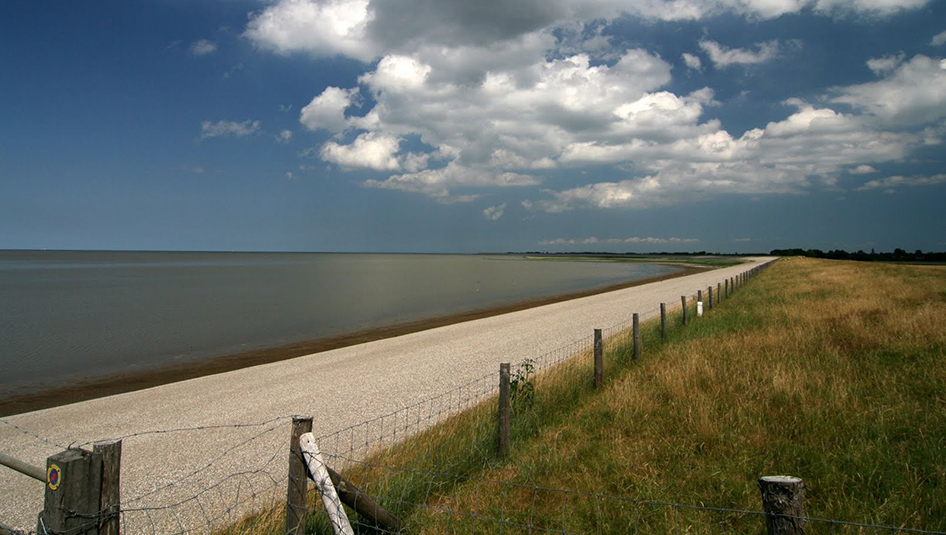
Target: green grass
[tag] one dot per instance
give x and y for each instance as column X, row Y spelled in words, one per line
column 830, row 371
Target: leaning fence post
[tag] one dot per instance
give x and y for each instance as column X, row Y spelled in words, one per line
column 73, row 493
column 663, row 321
column 110, row 501
column 504, row 403
column 636, row 323
column 783, row 501
column 298, row 480
column 599, row 359
column 683, row 301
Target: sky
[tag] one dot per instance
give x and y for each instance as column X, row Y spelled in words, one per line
column 460, row 126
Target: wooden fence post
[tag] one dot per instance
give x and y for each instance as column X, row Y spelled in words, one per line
column 298, row 478
column 719, row 292
column 726, row 289
column 699, row 295
column 663, row 321
column 73, row 493
column 110, row 500
column 504, row 405
column 683, row 301
column 599, row 359
column 783, row 501
column 636, row 323
column 710, row 297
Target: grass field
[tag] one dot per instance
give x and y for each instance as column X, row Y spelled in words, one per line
column 830, row 371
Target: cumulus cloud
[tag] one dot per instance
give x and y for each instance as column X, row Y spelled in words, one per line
column 284, row 137
column 493, row 95
column 892, row 183
column 913, row 92
column 203, row 47
column 692, row 62
column 722, row 56
column 327, row 110
column 366, row 30
column 494, row 213
column 862, row 170
column 440, row 183
column 228, row 128
column 939, row 39
column 369, row 150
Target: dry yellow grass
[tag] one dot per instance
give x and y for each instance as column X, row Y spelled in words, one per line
column 831, row 371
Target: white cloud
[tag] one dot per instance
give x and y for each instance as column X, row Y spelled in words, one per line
column 722, row 56
column 203, row 47
column 284, row 137
column 228, row 128
column 322, row 28
column 440, row 183
column 885, row 64
column 367, row 30
column 913, row 92
column 369, row 150
column 862, row 170
column 327, row 110
column 494, row 213
column 939, row 39
column 692, row 61
column 892, row 183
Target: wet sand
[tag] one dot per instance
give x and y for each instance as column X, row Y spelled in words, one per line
column 99, row 387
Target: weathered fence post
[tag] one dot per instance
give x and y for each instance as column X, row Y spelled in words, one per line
column 110, row 501
column 783, row 501
column 719, row 292
column 298, row 479
column 709, row 297
column 636, row 323
column 683, row 301
column 73, row 493
column 504, row 405
column 726, row 288
column 599, row 359
column 663, row 321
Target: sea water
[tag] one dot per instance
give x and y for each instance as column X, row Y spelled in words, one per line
column 66, row 316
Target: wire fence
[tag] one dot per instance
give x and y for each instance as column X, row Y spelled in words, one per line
column 209, row 491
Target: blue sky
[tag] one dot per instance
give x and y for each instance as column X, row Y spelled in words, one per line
column 457, row 126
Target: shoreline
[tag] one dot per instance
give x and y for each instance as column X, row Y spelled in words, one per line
column 121, row 383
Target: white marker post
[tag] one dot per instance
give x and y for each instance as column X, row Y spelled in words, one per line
column 699, row 309
column 333, row 506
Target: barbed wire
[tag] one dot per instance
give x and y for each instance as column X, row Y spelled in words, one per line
column 33, row 435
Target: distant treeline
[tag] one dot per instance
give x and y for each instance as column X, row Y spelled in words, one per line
column 898, row 255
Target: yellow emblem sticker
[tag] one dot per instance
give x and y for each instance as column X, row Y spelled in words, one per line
column 53, row 476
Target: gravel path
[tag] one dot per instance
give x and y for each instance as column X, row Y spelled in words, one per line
column 192, row 470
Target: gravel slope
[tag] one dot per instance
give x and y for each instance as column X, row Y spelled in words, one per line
column 193, row 469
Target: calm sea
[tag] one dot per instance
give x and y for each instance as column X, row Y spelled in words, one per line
column 71, row 315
